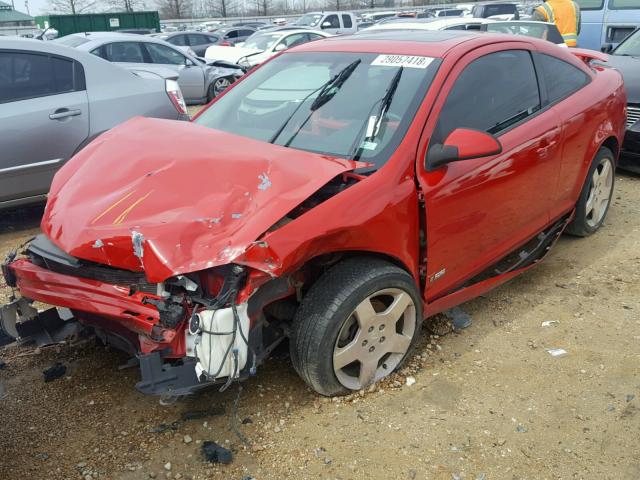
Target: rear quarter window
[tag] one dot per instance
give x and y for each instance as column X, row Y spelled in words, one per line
column 561, row 78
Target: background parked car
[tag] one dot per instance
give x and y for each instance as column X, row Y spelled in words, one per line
column 455, row 23
column 232, row 35
column 263, row 45
column 55, row 99
column 199, row 81
column 626, row 59
column 197, row 41
column 487, row 10
column 542, row 30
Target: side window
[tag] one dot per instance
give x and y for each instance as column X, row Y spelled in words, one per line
column 245, row 33
column 128, row 52
column 180, row 40
column 211, row 39
column 164, row 55
column 314, row 36
column 26, row 75
column 346, row 21
column 99, row 52
column 491, row 94
column 561, row 78
column 62, row 74
column 295, row 39
column 333, row 20
column 232, row 34
column 456, row 27
column 195, row 39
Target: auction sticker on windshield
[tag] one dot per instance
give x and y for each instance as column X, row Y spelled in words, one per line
column 409, row 61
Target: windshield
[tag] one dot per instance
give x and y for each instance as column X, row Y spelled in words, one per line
column 72, row 40
column 631, row 46
column 309, row 20
column 262, row 41
column 349, row 105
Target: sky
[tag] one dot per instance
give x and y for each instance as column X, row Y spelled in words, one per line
column 36, row 7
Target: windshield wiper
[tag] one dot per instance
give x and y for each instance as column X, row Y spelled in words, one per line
column 385, row 103
column 321, row 89
column 327, row 92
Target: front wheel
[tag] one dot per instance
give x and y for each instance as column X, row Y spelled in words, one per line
column 596, row 195
column 217, row 87
column 356, row 325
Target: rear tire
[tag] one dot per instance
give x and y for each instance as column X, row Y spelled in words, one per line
column 595, row 198
column 356, row 325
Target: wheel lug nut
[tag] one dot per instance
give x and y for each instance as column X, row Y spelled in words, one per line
column 381, row 327
column 370, row 329
column 382, row 339
column 364, row 343
column 372, row 348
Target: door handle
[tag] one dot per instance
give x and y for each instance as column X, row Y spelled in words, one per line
column 61, row 113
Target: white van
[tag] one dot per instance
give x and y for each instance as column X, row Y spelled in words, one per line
column 336, row 23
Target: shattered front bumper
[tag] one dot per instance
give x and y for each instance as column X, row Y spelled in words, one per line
column 90, row 296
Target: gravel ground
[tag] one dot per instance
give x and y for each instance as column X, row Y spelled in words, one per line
column 487, row 403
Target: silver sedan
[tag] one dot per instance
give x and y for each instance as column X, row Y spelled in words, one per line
column 54, row 100
column 200, row 80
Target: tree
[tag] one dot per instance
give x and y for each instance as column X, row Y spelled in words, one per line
column 174, row 8
column 126, row 5
column 71, row 6
column 222, row 8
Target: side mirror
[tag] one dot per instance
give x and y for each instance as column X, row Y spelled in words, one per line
column 325, row 25
column 462, row 144
column 606, row 48
column 280, row 47
column 188, row 62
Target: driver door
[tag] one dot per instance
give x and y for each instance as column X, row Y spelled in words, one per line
column 479, row 210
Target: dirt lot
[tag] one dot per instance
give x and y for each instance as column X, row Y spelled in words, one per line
column 488, row 403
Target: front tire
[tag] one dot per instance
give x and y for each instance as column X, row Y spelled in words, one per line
column 356, row 325
column 596, row 195
column 218, row 86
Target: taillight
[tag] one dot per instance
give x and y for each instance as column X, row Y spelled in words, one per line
column 175, row 94
column 226, row 44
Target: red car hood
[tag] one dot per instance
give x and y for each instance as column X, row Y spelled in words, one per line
column 172, row 197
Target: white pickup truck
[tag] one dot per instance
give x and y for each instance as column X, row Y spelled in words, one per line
column 335, row 23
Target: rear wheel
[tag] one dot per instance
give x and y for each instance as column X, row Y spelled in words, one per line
column 596, row 195
column 356, row 325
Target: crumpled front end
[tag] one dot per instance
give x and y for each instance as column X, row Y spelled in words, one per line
column 186, row 332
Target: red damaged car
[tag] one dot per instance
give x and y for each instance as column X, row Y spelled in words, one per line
column 335, row 197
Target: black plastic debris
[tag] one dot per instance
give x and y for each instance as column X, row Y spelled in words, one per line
column 246, row 421
column 54, row 371
column 2, row 364
column 214, row 453
column 458, row 317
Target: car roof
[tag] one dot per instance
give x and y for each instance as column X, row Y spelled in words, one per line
column 289, row 32
column 19, row 43
column 100, row 38
column 193, row 32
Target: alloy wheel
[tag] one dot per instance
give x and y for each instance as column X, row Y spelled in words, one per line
column 599, row 193
column 220, row 85
column 375, row 338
